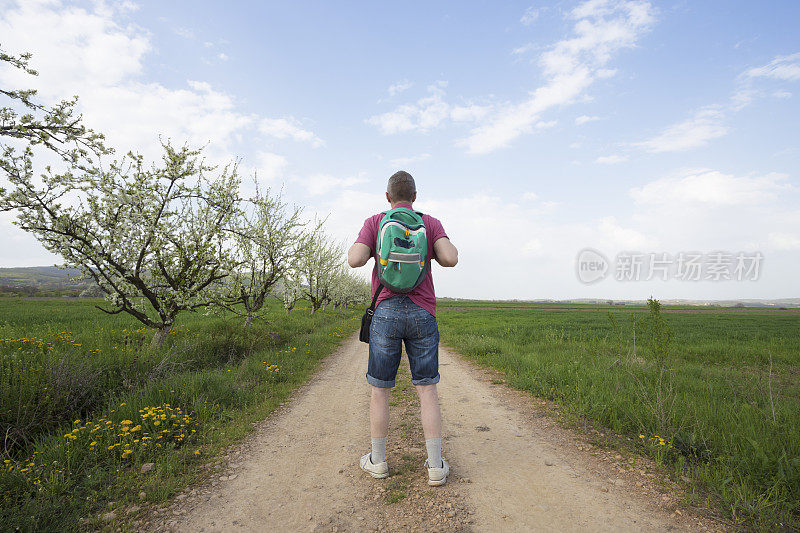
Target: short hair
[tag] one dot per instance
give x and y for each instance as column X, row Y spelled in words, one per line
column 401, row 187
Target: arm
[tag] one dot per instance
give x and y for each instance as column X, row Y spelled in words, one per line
column 358, row 255
column 446, row 253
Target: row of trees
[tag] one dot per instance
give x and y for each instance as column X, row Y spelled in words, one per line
column 161, row 238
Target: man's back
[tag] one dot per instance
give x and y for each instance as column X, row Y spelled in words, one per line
column 424, row 295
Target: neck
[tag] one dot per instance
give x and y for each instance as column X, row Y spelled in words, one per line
column 397, row 204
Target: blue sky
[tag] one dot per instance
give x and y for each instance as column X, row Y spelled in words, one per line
column 534, row 129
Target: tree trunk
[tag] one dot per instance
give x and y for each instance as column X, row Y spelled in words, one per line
column 324, row 306
column 288, row 310
column 248, row 320
column 159, row 337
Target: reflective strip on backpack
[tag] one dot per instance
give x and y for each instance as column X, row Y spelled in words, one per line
column 403, row 258
column 400, row 225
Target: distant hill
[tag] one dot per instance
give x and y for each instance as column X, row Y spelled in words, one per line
column 54, row 281
column 39, row 281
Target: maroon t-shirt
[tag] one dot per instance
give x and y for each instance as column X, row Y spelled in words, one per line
column 424, row 295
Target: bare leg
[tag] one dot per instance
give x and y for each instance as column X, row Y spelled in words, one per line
column 379, row 412
column 429, row 411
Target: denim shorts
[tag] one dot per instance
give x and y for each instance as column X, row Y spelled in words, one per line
column 397, row 320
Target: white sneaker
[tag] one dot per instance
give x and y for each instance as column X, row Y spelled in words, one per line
column 379, row 470
column 437, row 476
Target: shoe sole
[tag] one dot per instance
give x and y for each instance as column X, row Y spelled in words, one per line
column 437, row 482
column 376, row 474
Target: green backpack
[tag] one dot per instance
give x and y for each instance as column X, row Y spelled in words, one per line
column 402, row 250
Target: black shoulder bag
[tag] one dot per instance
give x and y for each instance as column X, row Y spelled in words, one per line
column 366, row 320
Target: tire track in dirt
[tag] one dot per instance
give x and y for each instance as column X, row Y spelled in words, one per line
column 513, row 469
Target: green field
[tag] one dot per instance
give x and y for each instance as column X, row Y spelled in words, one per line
column 712, row 394
column 84, row 402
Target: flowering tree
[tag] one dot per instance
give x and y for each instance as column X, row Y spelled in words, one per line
column 152, row 238
column 291, row 293
column 348, row 289
column 317, row 264
column 27, row 124
column 265, row 240
column 357, row 291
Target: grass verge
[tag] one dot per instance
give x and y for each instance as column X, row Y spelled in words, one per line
column 715, row 397
column 80, row 443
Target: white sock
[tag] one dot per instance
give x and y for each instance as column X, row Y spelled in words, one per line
column 434, row 447
column 378, row 454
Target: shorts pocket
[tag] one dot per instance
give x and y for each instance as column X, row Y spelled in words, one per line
column 425, row 325
column 383, row 330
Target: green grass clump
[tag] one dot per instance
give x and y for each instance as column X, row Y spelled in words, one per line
column 86, row 403
column 714, row 395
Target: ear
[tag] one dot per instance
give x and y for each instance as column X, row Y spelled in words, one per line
column 388, row 198
column 414, row 198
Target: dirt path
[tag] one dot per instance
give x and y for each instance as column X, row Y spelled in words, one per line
column 513, row 468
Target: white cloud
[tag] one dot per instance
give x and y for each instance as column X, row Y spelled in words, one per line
column 531, row 196
column 707, row 210
column 72, row 48
column 712, row 188
column 784, row 241
column 127, row 6
column 94, row 53
column 284, row 128
column 469, row 113
column 222, row 57
column 704, row 126
column 485, row 225
column 611, row 159
column 399, row 87
column 319, row 184
column 403, row 161
column 270, row 166
column 602, row 28
column 427, row 113
column 92, row 50
column 532, row 248
column 186, row 33
column 708, row 123
column 583, row 119
column 524, row 49
column 620, row 238
column 530, row 16
column 785, row 68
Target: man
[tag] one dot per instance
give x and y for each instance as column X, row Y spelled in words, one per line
column 409, row 318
